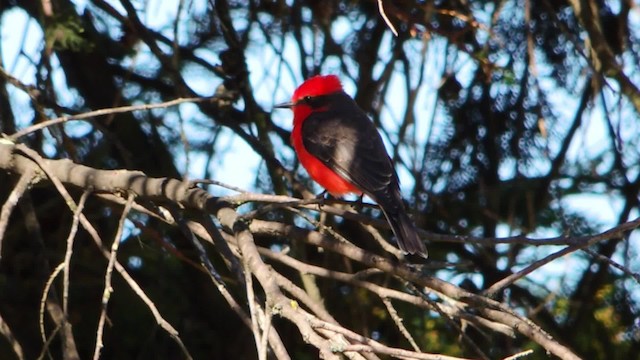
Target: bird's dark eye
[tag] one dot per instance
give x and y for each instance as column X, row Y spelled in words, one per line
column 314, row 101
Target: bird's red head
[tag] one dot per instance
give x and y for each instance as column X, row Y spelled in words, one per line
column 317, row 86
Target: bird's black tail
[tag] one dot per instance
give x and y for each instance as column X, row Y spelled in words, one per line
column 406, row 232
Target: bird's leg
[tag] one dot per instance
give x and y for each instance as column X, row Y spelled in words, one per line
column 358, row 205
column 322, row 195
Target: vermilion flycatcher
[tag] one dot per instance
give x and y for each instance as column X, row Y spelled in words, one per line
column 343, row 151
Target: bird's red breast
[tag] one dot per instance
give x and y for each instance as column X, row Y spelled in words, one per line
column 321, row 174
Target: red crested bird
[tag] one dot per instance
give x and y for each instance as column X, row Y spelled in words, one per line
column 343, row 152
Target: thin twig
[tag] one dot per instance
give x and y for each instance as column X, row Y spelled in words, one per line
column 368, row 344
column 398, row 321
column 582, row 243
column 218, row 183
column 12, row 201
column 31, row 90
column 108, row 289
column 386, row 245
column 519, row 355
column 469, row 20
column 251, row 300
column 106, row 111
column 45, row 348
column 43, row 301
column 5, row 330
column 69, row 252
column 493, row 289
column 451, row 321
column 622, row 268
column 266, row 329
column 294, row 290
column 323, row 228
column 386, row 19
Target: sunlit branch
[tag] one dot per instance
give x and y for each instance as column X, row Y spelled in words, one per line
column 107, row 111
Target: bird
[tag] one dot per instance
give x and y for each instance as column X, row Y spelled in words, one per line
column 342, row 150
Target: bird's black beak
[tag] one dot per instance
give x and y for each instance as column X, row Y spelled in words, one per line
column 287, row 105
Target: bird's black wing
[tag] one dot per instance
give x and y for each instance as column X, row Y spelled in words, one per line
column 343, row 138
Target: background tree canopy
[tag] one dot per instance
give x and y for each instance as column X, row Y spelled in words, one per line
column 513, row 125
